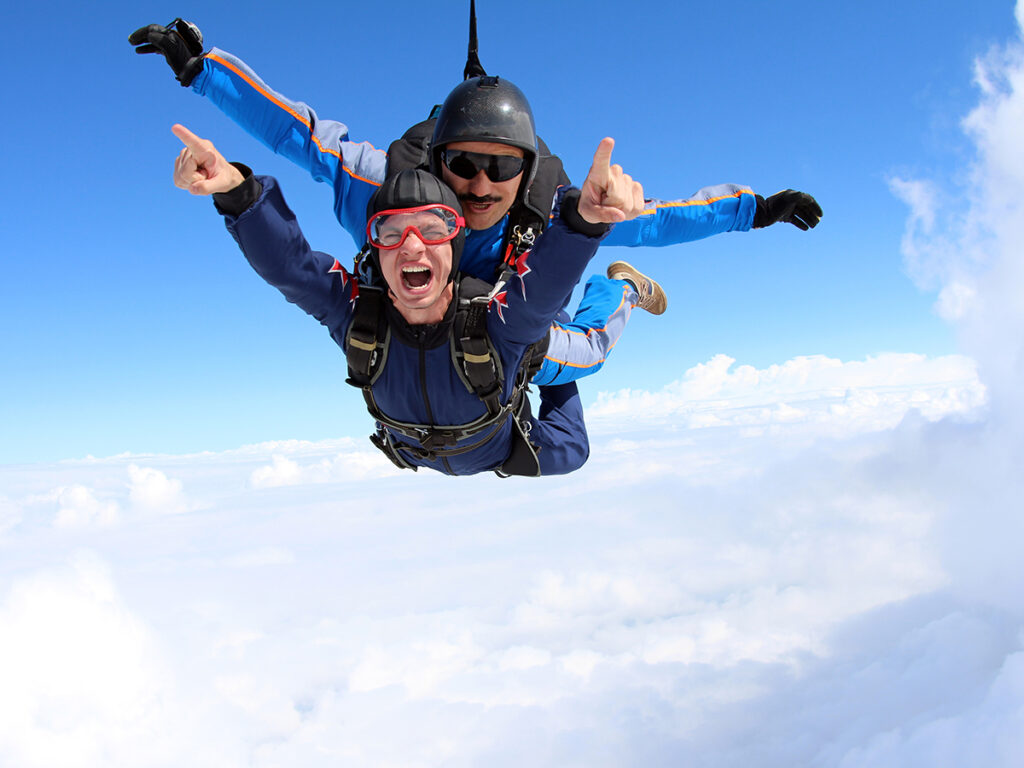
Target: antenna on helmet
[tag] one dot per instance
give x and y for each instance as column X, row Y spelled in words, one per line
column 473, row 66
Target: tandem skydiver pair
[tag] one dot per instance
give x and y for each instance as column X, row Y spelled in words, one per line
column 447, row 356
column 483, row 143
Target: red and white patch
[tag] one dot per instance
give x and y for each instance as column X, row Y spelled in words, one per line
column 345, row 278
column 522, row 269
column 499, row 301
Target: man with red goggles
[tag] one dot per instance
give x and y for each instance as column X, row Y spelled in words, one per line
column 428, row 414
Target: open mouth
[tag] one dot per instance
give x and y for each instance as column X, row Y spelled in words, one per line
column 415, row 277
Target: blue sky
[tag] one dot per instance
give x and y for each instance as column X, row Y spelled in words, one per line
column 133, row 325
column 796, row 542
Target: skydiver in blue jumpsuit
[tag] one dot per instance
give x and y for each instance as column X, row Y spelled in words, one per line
column 416, row 237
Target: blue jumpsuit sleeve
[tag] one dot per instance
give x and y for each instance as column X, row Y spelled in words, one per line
column 292, row 129
column 709, row 211
column 524, row 308
column 269, row 236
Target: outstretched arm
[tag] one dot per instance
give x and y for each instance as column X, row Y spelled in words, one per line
column 266, row 230
column 712, row 211
column 562, row 253
column 289, row 128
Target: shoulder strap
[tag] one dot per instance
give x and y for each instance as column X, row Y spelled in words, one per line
column 549, row 177
column 529, row 217
column 411, row 151
column 474, row 357
column 367, row 338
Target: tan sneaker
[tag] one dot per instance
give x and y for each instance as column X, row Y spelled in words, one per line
column 652, row 297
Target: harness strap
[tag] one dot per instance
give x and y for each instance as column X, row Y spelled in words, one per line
column 477, row 363
column 438, row 443
column 366, row 341
column 382, row 439
column 441, row 440
column 522, row 459
column 478, row 359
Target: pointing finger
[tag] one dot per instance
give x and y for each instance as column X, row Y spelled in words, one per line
column 600, row 169
column 603, row 155
column 189, row 139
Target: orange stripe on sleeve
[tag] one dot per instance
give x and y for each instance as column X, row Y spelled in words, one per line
column 272, row 99
column 686, row 203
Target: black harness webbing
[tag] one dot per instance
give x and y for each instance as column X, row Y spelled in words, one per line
column 478, row 365
column 367, row 339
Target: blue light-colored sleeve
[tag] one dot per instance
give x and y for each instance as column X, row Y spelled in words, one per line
column 292, row 129
column 710, row 211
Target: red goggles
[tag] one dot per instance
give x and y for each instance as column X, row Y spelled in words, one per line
column 433, row 225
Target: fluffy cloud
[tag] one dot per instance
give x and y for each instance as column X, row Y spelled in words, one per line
column 84, row 683
column 840, row 399
column 10, row 515
column 151, row 490
column 79, row 507
column 349, row 465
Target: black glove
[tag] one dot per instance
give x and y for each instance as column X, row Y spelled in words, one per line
column 798, row 208
column 180, row 42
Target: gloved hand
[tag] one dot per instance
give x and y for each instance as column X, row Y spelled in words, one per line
column 180, row 42
column 798, row 208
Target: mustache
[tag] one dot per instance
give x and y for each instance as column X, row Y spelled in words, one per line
column 470, row 198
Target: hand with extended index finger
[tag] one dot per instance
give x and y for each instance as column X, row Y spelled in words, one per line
column 200, row 168
column 608, row 195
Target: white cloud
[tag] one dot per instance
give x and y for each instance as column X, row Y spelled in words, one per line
column 955, row 301
column 84, row 683
column 837, row 398
column 78, row 507
column 350, row 466
column 282, row 471
column 264, row 556
column 152, row 491
column 10, row 515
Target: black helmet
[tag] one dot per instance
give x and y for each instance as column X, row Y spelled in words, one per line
column 486, row 109
column 411, row 188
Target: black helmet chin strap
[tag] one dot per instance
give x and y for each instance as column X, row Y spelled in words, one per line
column 473, row 66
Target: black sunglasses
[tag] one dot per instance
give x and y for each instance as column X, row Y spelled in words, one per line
column 467, row 165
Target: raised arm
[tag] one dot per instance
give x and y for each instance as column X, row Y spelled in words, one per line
column 524, row 310
column 266, row 230
column 289, row 128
